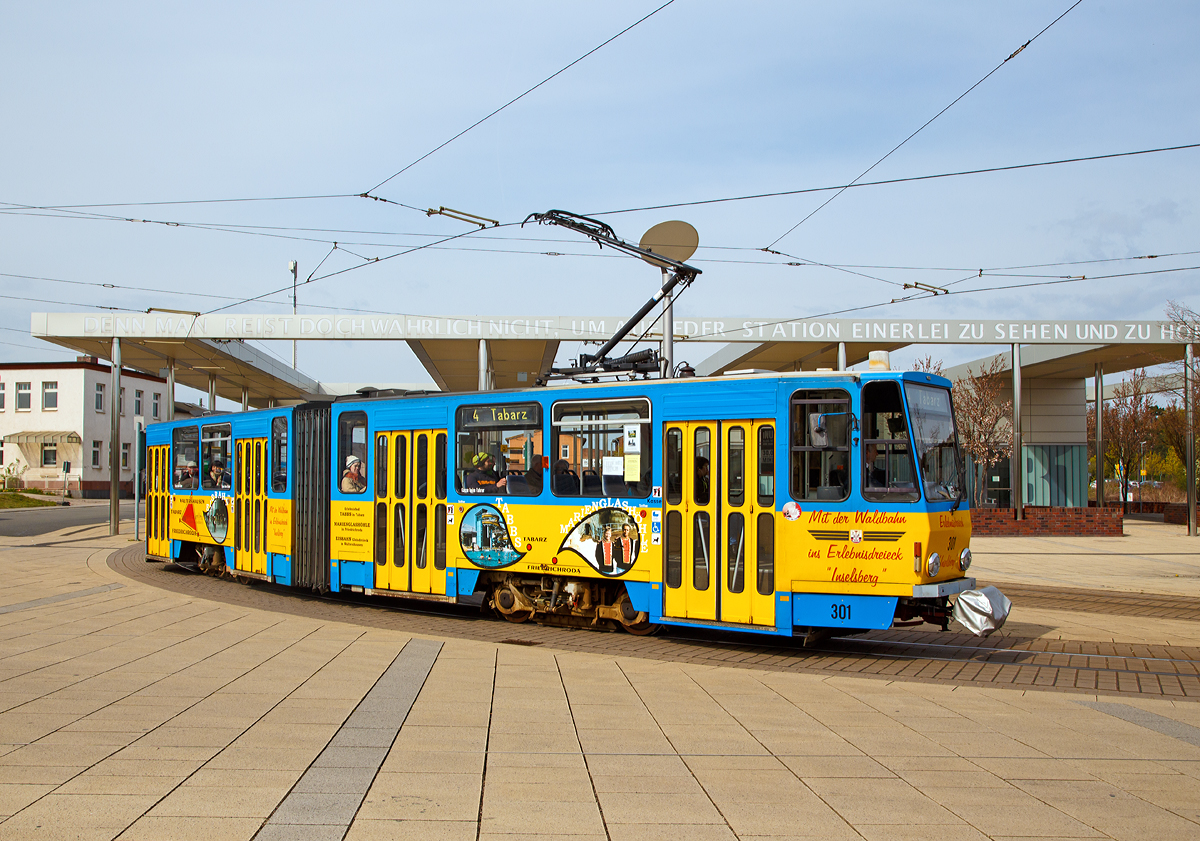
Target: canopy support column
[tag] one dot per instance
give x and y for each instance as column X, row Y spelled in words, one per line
column 170, row 389
column 114, row 442
column 212, row 392
column 841, row 356
column 1016, row 476
column 1189, row 403
column 245, row 399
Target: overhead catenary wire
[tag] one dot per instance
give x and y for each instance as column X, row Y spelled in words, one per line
column 904, row 180
column 924, row 125
column 943, row 295
column 515, row 99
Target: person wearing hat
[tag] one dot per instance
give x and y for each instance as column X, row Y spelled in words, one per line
column 483, row 478
column 353, row 480
column 218, row 478
column 188, row 480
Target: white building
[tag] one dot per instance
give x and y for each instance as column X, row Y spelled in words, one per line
column 55, row 414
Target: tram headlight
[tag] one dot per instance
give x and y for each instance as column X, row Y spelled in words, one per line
column 934, row 565
column 964, row 560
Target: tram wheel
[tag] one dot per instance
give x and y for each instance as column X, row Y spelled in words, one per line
column 642, row 629
column 518, row 616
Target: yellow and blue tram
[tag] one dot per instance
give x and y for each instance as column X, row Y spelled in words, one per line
column 783, row 504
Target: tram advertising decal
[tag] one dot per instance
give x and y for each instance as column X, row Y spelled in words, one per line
column 279, row 526
column 202, row 518
column 609, row 538
column 350, row 530
column 489, row 537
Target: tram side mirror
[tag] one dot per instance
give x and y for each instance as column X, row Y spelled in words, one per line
column 818, row 431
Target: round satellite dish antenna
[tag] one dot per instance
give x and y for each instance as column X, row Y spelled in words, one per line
column 673, row 240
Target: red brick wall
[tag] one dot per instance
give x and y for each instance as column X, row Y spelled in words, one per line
column 1067, row 522
column 1175, row 513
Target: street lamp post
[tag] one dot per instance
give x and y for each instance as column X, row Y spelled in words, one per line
column 1141, row 482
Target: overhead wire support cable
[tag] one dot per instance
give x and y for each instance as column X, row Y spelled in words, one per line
column 885, row 182
column 514, row 100
column 957, row 99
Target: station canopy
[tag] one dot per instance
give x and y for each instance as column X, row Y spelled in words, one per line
column 460, row 352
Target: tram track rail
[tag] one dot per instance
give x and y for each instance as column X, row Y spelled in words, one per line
column 1004, row 659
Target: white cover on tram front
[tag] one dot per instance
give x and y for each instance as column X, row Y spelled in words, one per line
column 982, row 611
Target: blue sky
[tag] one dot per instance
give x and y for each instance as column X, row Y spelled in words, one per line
column 131, row 102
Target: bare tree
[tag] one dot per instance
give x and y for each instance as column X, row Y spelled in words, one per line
column 1129, row 423
column 1172, row 427
column 984, row 421
column 928, row 365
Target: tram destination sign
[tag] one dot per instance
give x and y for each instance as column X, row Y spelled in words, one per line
column 164, row 327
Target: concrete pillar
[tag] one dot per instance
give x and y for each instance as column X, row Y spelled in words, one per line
column 114, row 442
column 1016, row 472
column 170, row 415
column 1099, row 435
column 1189, row 383
column 841, row 356
column 485, row 366
column 212, row 392
column 245, row 399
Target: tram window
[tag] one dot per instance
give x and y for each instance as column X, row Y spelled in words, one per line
column 766, row 555
column 352, row 452
column 498, row 450
column 606, row 448
column 735, row 559
column 215, row 443
column 703, row 466
column 936, row 441
column 258, row 468
column 185, row 453
column 381, row 533
column 422, row 544
column 674, row 466
column 279, row 454
column 737, row 467
column 888, row 474
column 766, row 465
column 401, row 466
column 820, row 445
column 400, row 538
column 422, row 466
column 439, row 466
column 439, row 537
column 381, row 465
column 700, row 559
column 674, row 549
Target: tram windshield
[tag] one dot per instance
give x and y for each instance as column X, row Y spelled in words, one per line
column 936, row 442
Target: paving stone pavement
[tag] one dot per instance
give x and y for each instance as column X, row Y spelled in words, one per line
column 135, row 712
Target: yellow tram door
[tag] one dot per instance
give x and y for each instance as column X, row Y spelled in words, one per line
column 428, row 511
column 747, row 506
column 158, row 541
column 250, row 505
column 690, row 575
column 393, row 498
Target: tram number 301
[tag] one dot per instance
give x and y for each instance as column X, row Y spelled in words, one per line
column 840, row 611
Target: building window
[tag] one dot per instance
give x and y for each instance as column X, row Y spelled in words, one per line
column 99, row 397
column 96, row 454
column 137, row 402
column 121, row 403
column 1, row 455
column 1, row 397
column 154, row 407
column 50, row 395
column 49, row 455
column 23, row 397
column 124, row 456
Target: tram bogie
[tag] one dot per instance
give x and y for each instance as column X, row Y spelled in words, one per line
column 808, row 503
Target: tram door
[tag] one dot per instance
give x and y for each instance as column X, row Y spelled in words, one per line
column 158, row 542
column 393, row 502
column 747, row 491
column 410, row 511
column 250, row 505
column 718, row 511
